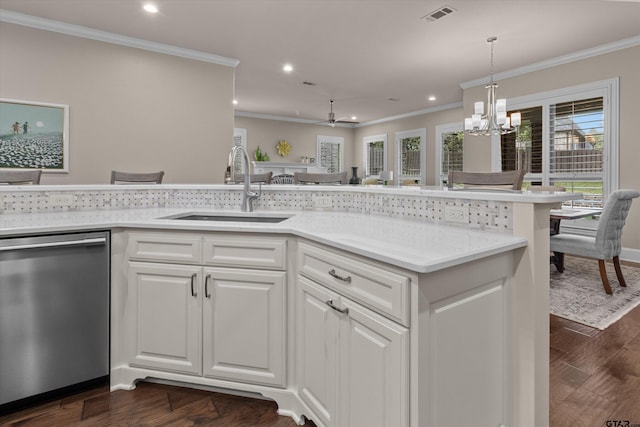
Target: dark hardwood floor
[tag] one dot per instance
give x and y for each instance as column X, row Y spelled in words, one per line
column 595, row 375
column 595, row 378
column 151, row 405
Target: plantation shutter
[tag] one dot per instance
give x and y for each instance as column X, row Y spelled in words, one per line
column 523, row 149
column 452, row 153
column 375, row 158
column 576, row 149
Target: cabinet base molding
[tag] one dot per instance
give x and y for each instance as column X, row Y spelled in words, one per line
column 289, row 404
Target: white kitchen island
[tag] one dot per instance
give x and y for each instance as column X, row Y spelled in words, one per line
column 422, row 323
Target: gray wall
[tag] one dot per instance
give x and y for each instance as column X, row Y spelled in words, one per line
column 623, row 64
column 301, row 136
column 130, row 109
column 428, row 121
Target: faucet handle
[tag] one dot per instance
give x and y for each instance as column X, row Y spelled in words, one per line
column 251, row 197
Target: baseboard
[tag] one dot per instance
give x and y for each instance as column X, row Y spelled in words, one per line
column 630, row 255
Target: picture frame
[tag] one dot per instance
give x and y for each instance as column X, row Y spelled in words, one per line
column 34, row 135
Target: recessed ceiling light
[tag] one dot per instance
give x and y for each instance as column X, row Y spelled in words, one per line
column 151, row 8
column 354, row 118
column 287, row 68
column 432, row 98
column 235, row 102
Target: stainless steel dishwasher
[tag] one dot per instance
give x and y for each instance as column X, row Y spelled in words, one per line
column 54, row 313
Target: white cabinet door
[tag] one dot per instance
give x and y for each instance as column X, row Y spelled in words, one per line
column 317, row 350
column 374, row 369
column 353, row 364
column 245, row 325
column 164, row 313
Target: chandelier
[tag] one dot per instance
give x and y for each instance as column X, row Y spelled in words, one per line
column 495, row 121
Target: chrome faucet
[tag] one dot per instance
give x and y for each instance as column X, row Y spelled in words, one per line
column 248, row 196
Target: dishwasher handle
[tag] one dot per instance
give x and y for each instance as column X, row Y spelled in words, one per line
column 80, row 242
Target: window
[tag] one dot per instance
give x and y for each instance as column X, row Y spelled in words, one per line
column 576, row 148
column 449, row 150
column 239, row 138
column 411, row 154
column 375, row 155
column 568, row 138
column 331, row 153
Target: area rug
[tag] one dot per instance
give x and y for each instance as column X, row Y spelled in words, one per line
column 578, row 295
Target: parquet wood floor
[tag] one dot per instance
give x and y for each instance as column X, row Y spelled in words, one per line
column 595, row 378
column 595, row 375
column 151, row 405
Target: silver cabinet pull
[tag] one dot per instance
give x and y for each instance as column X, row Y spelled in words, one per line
column 193, row 291
column 206, row 286
column 340, row 310
column 333, row 273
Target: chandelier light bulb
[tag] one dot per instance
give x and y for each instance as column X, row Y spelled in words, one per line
column 495, row 121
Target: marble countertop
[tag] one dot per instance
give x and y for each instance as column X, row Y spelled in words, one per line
column 415, row 245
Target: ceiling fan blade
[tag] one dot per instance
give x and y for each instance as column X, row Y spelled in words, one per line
column 345, row 120
column 332, row 118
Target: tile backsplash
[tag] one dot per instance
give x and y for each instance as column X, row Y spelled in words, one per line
column 482, row 214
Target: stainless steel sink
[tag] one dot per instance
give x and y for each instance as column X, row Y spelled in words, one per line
column 228, row 218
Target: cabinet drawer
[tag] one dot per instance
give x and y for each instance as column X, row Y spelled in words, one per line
column 381, row 289
column 251, row 252
column 182, row 248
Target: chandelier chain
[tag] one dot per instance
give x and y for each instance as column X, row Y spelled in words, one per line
column 491, row 40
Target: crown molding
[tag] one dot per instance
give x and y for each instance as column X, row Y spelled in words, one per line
column 103, row 36
column 289, row 119
column 560, row 60
column 413, row 114
column 347, row 125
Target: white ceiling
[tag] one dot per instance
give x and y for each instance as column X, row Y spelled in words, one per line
column 359, row 52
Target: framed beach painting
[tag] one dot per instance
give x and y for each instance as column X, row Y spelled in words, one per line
column 34, row 135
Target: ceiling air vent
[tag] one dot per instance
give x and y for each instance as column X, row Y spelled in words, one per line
column 438, row 13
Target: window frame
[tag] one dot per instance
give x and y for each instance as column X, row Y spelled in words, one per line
column 413, row 133
column 240, row 134
column 609, row 91
column 365, row 160
column 441, row 130
column 338, row 140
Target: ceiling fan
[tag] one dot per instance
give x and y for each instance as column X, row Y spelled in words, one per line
column 332, row 117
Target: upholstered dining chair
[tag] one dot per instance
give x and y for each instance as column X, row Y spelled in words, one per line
column 20, row 177
column 370, row 181
column 508, row 180
column 320, row 178
column 264, row 178
column 410, row 181
column 283, row 178
column 136, row 178
column 607, row 243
